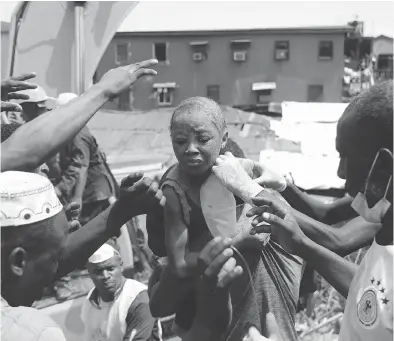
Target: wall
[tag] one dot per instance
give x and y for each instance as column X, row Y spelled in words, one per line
column 292, row 77
column 382, row 45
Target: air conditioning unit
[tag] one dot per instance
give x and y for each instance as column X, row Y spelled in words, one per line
column 239, row 56
column 198, row 56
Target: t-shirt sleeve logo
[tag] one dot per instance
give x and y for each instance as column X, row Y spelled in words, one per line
column 367, row 308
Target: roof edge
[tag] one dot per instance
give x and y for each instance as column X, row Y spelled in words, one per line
column 296, row 30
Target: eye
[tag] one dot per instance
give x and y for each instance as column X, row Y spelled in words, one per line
column 204, row 139
column 180, row 141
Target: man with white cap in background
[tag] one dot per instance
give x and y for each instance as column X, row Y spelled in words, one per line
column 37, row 104
column 116, row 308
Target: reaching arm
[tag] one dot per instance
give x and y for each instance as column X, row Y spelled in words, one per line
column 81, row 244
column 29, row 147
column 352, row 236
column 334, row 269
column 339, row 210
column 80, row 185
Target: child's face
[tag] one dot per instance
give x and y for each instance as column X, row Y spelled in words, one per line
column 196, row 141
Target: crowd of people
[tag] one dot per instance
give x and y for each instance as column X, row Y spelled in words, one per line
column 241, row 283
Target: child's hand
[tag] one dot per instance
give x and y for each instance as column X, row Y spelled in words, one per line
column 231, row 173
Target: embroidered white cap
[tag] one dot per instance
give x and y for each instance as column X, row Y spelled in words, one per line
column 26, row 198
column 104, row 253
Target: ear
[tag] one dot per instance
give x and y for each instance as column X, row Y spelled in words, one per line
column 224, row 139
column 17, row 261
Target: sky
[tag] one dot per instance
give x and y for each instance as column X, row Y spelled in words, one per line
column 378, row 16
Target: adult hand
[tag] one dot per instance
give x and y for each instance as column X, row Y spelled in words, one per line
column 282, row 223
column 118, row 80
column 10, row 87
column 138, row 195
column 72, row 211
column 231, row 173
column 218, row 270
column 268, row 177
column 272, row 331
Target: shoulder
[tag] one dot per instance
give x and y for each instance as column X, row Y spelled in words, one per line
column 29, row 321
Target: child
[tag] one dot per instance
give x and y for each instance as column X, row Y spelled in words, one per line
column 198, row 133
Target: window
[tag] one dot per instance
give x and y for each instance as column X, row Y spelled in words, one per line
column 199, row 50
column 164, row 96
column 315, row 93
column 240, row 49
column 263, row 96
column 121, row 53
column 326, row 50
column 160, row 52
column 213, row 92
column 281, row 50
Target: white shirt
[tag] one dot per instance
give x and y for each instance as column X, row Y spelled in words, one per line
column 108, row 320
column 369, row 306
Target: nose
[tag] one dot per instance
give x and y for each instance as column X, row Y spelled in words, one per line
column 192, row 149
column 105, row 274
column 342, row 168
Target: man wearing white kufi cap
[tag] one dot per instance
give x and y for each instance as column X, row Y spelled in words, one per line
column 33, row 234
column 117, row 308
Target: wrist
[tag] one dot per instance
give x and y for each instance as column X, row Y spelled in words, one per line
column 304, row 245
column 100, row 91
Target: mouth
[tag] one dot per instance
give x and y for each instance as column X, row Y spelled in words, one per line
column 194, row 162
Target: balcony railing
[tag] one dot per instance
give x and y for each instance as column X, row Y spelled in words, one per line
column 382, row 75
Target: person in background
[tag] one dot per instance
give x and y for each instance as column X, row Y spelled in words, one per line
column 365, row 143
column 116, row 308
column 85, row 178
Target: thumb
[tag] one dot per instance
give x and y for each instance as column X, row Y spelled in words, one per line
column 8, row 106
column 272, row 328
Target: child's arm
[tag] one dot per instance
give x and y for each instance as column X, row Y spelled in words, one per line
column 176, row 235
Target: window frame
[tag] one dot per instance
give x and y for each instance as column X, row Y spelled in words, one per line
column 117, row 61
column 277, row 42
column 166, row 44
column 320, row 57
column 169, row 92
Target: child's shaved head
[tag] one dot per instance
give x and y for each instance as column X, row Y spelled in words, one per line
column 202, row 104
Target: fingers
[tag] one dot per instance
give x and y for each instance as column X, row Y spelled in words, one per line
column 25, row 76
column 211, row 251
column 272, row 328
column 258, row 211
column 221, row 264
column 73, row 206
column 145, row 64
column 273, row 203
column 230, row 276
column 145, row 72
column 261, row 229
column 8, row 106
column 74, row 226
column 15, row 95
column 131, row 180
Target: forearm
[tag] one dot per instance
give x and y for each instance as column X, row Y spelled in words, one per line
column 333, row 268
column 168, row 293
column 81, row 244
column 29, row 147
column 352, row 236
column 303, row 203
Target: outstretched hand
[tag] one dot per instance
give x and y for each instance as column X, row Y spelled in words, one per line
column 10, row 88
column 138, row 195
column 117, row 80
column 282, row 223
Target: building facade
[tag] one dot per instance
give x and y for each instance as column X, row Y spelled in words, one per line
column 236, row 68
